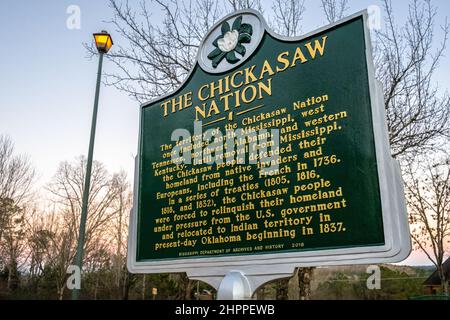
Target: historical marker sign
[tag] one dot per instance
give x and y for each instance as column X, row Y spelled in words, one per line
column 328, row 194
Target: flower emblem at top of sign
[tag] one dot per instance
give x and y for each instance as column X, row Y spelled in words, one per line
column 230, row 42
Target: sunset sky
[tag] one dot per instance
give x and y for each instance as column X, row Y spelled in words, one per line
column 47, row 83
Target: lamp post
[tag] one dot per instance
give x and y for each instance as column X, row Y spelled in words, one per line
column 103, row 42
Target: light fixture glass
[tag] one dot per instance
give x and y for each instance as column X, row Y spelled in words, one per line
column 103, row 41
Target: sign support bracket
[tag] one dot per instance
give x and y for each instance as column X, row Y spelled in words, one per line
column 238, row 284
column 234, row 286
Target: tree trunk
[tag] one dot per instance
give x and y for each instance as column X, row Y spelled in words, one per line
column 13, row 276
column 184, row 287
column 444, row 280
column 282, row 289
column 96, row 287
column 188, row 289
column 143, row 287
column 445, row 287
column 119, row 243
column 61, row 292
column 304, row 282
column 126, row 286
column 261, row 293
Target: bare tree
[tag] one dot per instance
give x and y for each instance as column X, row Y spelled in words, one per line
column 12, row 241
column 157, row 57
column 245, row 4
column 52, row 232
column 428, row 195
column 66, row 190
column 51, row 242
column 119, row 230
column 41, row 239
column 334, row 10
column 406, row 62
column 16, row 179
column 281, row 289
column 288, row 16
column 305, row 276
column 16, row 173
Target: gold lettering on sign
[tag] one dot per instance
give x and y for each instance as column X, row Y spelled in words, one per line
column 243, row 86
column 225, row 208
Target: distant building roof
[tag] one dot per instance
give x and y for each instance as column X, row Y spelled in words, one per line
column 434, row 280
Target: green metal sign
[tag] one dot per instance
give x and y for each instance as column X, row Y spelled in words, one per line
column 312, row 181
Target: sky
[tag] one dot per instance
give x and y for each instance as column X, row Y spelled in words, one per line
column 47, row 83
